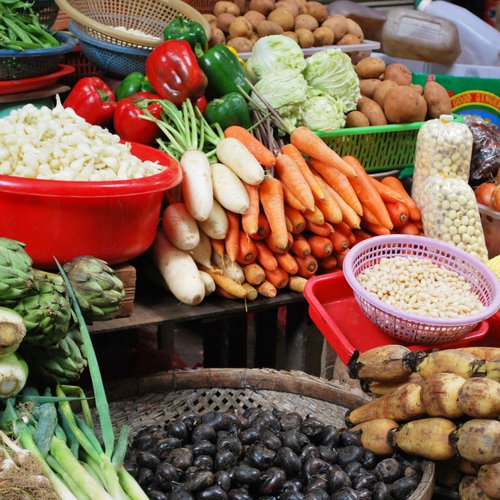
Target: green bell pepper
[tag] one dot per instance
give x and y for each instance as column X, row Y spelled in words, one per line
column 131, row 84
column 231, row 109
column 223, row 70
column 185, row 29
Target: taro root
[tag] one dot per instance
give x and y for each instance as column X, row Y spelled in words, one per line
column 290, row 421
column 224, row 460
column 190, row 420
column 353, row 469
column 313, row 466
column 222, row 479
column 402, row 488
column 338, row 480
column 204, row 462
column 313, row 429
column 272, row 480
column 177, row 429
column 330, row 435
column 349, row 454
column 212, row 493
column 165, row 475
column 232, row 444
column 142, row 443
column 388, row 470
column 309, row 451
column 199, row 480
column 145, row 476
column 346, row 494
column 381, row 491
column 147, row 459
column 181, row 458
column 290, row 439
column 327, row 454
column 245, row 474
column 260, row 456
column 204, row 432
column 288, row 461
column 204, row 447
column 165, row 446
column 249, row 436
column 271, row 441
column 369, row 459
column 156, row 495
column 365, row 481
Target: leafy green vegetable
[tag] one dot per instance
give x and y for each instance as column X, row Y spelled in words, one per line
column 323, row 112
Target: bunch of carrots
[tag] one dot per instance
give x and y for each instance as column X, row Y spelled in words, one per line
column 303, row 218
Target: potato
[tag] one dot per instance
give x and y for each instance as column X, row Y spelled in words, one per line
column 370, row 67
column 283, row 17
column 262, row 6
column 375, row 434
column 353, row 28
column 224, row 21
column 348, row 40
column 266, row 28
column 317, row 10
column 356, row 119
column 323, row 36
column 381, row 91
column 338, row 24
column 305, row 38
column 305, row 21
column 216, row 36
column 438, row 100
column 240, row 27
column 222, row 7
column 469, row 489
column 290, row 6
column 254, row 18
column 398, row 73
column 372, row 111
column 241, row 44
column 478, row 440
column 489, row 479
column 243, row 5
column 439, row 395
column 367, row 87
column 479, row 397
column 418, row 88
column 402, row 104
column 292, row 35
column 211, row 19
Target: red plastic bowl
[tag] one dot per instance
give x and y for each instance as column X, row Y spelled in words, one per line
column 113, row 220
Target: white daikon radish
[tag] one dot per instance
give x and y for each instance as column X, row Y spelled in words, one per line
column 209, row 283
column 180, row 227
column 216, row 225
column 197, row 184
column 229, row 191
column 203, row 251
column 178, row 270
column 229, row 268
column 236, row 156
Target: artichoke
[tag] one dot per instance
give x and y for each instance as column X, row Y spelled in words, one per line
column 98, row 290
column 46, row 314
column 16, row 272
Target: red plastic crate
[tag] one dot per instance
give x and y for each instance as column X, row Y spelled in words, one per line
column 335, row 312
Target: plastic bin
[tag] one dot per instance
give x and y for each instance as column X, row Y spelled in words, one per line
column 334, row 310
column 491, row 228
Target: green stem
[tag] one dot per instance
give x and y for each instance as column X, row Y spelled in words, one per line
column 66, row 478
column 130, row 486
column 121, row 446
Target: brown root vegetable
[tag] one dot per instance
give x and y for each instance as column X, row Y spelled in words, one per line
column 469, row 489
column 323, row 36
column 368, row 87
column 450, row 361
column 370, row 67
column 381, row 91
column 491, row 369
column 216, row 36
column 378, row 389
column 292, row 35
column 372, row 111
column 241, row 44
column 317, row 10
column 305, row 21
column 400, row 404
column 480, row 352
column 438, row 100
column 291, row 6
column 243, row 5
column 356, row 119
column 348, row 39
column 488, row 480
column 240, row 27
column 211, row 19
column 375, row 435
column 478, row 440
column 305, row 38
column 262, row 6
column 398, row 73
column 402, row 104
column 479, row 397
column 223, row 7
column 338, row 24
column 440, row 395
column 282, row 17
column 266, row 28
column 467, row 467
column 224, row 21
column 417, row 88
column 428, row 438
column 254, row 18
column 353, row 28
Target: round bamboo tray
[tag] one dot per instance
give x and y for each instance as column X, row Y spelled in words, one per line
column 168, row 395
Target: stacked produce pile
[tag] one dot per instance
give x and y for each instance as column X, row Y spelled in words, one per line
column 438, row 406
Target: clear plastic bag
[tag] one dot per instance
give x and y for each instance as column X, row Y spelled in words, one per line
column 443, row 148
column 450, row 214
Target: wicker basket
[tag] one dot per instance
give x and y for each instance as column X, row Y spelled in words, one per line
column 168, row 395
column 47, row 11
column 99, row 19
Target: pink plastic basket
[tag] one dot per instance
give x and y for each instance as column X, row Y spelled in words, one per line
column 412, row 328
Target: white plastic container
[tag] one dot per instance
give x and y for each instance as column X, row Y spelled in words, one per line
column 479, row 41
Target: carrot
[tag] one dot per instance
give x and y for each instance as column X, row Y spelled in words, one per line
column 397, row 186
column 340, row 257
column 398, row 213
column 258, row 150
column 367, row 194
column 301, row 247
column 265, row 257
column 288, row 263
column 289, row 225
column 225, row 295
column 369, row 216
column 329, row 205
column 321, row 230
column 271, row 197
column 252, row 292
column 340, row 242
column 233, row 235
column 218, row 247
column 297, row 284
column 273, row 245
column 361, row 235
column 316, row 216
column 349, row 216
column 264, row 230
column 278, row 278
column 291, row 200
column 267, row 289
column 297, row 157
column 310, row 144
column 338, row 181
column 254, row 274
column 344, row 228
column 247, row 251
column 327, row 264
column 375, row 228
column 320, row 246
column 296, row 218
column 250, row 219
column 227, row 284
column 307, row 266
column 386, row 193
column 290, row 175
column 409, row 228
column 419, row 224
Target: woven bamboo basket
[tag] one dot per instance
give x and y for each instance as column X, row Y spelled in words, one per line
column 168, row 395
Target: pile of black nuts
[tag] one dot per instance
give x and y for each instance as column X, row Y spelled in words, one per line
column 263, row 455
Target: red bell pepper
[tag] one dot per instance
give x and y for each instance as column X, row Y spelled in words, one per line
column 93, row 100
column 201, row 103
column 174, row 72
column 128, row 124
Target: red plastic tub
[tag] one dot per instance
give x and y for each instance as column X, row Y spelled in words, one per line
column 115, row 221
column 335, row 312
